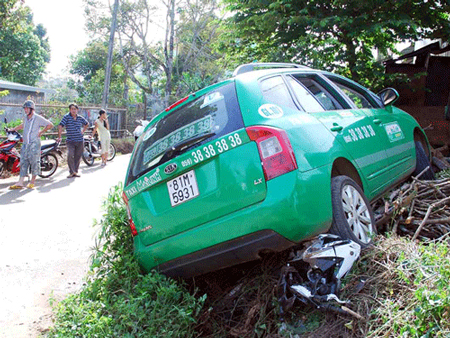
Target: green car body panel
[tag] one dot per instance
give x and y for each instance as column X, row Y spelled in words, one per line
column 237, row 212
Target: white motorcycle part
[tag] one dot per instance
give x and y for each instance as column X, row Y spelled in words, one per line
column 330, row 248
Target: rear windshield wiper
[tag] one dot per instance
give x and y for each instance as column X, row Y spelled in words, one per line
column 189, row 142
column 179, row 147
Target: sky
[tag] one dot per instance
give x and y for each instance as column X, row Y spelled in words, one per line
column 64, row 21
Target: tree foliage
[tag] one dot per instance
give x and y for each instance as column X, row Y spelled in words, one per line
column 165, row 46
column 24, row 47
column 338, row 35
column 197, row 59
column 88, row 66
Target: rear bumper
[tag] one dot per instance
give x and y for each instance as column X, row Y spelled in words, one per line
column 239, row 250
column 297, row 207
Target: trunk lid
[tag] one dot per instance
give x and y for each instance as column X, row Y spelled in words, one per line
column 192, row 166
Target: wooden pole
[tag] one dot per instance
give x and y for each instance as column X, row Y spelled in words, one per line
column 110, row 56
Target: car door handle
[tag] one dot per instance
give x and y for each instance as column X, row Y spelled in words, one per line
column 337, row 128
column 377, row 121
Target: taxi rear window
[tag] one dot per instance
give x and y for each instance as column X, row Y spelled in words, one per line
column 210, row 116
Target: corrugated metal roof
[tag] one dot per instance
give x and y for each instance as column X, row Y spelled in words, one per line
column 18, row 86
column 433, row 48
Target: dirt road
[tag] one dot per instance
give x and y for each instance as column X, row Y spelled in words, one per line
column 46, row 236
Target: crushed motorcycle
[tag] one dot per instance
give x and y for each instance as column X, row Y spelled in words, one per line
column 313, row 275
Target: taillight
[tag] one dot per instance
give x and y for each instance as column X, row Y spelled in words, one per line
column 275, row 150
column 130, row 219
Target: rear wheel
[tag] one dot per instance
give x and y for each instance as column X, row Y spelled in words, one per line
column 49, row 164
column 2, row 167
column 87, row 157
column 111, row 152
column 422, row 162
column 352, row 215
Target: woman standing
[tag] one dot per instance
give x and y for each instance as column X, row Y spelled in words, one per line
column 101, row 125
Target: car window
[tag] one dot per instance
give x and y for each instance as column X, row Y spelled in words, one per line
column 360, row 97
column 320, row 93
column 306, row 99
column 208, row 117
column 275, row 91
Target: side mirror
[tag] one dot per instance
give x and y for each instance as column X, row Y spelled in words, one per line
column 388, row 96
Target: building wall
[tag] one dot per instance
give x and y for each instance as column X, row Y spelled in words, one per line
column 432, row 119
column 15, row 99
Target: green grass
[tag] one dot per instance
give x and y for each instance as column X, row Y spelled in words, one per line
column 118, row 300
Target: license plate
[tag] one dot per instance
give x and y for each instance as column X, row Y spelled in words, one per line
column 183, row 188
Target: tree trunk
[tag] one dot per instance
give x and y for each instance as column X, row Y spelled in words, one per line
column 169, row 47
column 110, row 55
column 145, row 104
column 352, row 59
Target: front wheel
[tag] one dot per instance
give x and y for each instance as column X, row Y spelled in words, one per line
column 87, row 156
column 111, row 152
column 352, row 215
column 422, row 162
column 49, row 164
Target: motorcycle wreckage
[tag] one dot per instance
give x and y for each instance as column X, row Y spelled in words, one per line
column 313, row 275
column 10, row 157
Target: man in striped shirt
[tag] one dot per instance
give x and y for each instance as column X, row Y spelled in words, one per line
column 75, row 126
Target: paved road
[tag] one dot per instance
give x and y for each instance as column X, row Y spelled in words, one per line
column 46, row 236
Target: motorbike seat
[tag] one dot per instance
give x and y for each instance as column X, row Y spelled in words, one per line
column 47, row 144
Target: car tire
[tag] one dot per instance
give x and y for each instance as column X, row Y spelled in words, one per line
column 352, row 214
column 422, row 162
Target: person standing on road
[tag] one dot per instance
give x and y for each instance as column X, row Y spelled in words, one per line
column 30, row 154
column 101, row 125
column 74, row 138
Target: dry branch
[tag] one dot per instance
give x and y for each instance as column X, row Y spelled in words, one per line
column 419, row 208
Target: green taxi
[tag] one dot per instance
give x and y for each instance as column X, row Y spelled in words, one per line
column 260, row 162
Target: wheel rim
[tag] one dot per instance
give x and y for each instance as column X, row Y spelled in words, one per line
column 357, row 214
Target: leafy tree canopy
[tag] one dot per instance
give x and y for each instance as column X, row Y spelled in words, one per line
column 24, row 47
column 89, row 67
column 338, row 35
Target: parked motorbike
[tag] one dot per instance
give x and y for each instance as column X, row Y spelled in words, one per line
column 49, row 161
column 10, row 157
column 92, row 150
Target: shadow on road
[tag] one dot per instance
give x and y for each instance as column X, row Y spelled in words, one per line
column 43, row 185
